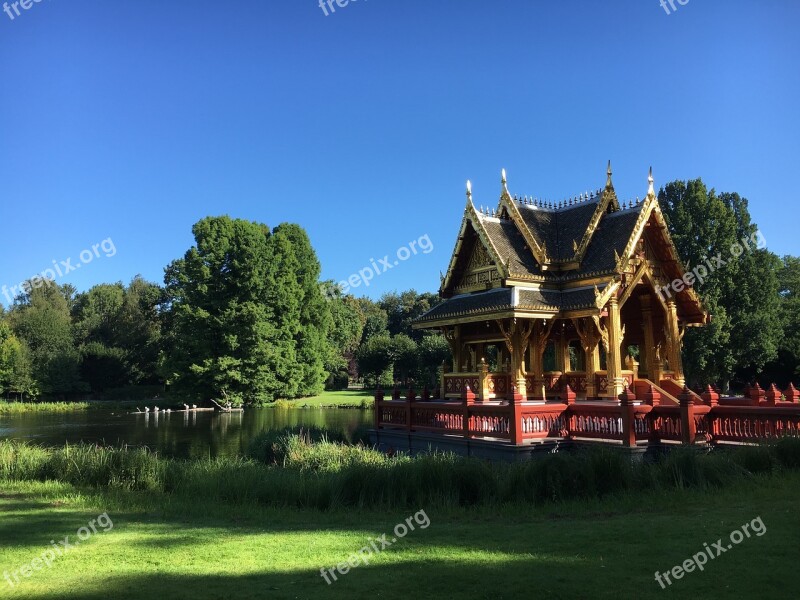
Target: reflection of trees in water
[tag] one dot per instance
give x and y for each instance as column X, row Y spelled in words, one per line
column 183, row 435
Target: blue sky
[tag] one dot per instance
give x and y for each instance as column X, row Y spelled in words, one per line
column 133, row 120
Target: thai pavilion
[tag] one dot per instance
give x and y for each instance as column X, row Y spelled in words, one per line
column 565, row 322
column 547, row 295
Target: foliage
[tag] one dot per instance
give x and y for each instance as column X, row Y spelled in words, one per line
column 306, row 469
column 255, row 297
column 375, row 358
column 741, row 296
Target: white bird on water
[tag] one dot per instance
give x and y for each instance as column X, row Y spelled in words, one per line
column 194, row 406
column 146, row 409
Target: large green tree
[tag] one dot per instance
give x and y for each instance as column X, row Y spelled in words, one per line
column 741, row 294
column 41, row 320
column 243, row 312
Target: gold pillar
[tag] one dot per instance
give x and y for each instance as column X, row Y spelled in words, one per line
column 541, row 333
column 614, row 358
column 562, row 352
column 674, row 342
column 590, row 340
column 649, row 350
column 517, row 334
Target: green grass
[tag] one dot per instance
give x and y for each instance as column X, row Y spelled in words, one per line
column 180, row 547
column 293, row 470
column 339, row 399
column 12, row 408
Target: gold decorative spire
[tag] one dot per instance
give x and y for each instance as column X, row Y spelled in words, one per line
column 608, row 173
column 650, row 190
column 504, row 183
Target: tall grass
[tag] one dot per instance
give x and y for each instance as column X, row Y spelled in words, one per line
column 323, row 474
column 13, row 408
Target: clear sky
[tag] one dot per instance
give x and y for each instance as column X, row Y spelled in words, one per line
column 131, row 120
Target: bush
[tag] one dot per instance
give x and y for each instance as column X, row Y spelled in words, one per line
column 787, row 452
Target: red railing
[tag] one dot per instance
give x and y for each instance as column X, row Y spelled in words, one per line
column 636, row 418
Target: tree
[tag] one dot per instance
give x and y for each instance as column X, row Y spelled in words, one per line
column 433, row 351
column 405, row 356
column 375, row 358
column 314, row 319
column 402, row 309
column 343, row 336
column 246, row 319
column 786, row 367
column 741, row 295
column 41, row 319
column 222, row 335
column 374, row 318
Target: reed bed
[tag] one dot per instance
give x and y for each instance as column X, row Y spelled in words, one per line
column 309, row 470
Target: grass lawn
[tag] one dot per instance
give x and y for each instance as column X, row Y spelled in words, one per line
column 340, row 398
column 163, row 546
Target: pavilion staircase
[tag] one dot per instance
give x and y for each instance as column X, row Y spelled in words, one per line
column 642, row 386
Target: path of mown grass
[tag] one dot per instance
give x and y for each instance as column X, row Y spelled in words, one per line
column 343, row 398
column 334, row 399
column 172, row 547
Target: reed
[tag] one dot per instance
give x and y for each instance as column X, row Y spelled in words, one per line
column 308, row 469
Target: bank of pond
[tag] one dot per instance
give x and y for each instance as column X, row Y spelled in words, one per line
column 316, row 469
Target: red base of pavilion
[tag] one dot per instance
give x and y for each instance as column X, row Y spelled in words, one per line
column 643, row 416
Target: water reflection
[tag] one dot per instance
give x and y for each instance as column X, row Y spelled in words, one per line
column 192, row 435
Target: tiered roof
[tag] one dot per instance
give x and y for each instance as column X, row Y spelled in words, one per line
column 551, row 259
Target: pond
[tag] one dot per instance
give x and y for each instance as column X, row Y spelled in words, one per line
column 181, row 435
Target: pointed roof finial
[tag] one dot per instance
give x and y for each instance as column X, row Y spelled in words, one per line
column 608, row 172
column 504, row 182
column 650, row 190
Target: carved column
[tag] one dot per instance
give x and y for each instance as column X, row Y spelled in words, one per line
column 541, row 333
column 590, row 340
column 674, row 342
column 483, row 379
column 517, row 335
column 614, row 358
column 649, row 349
column 562, row 352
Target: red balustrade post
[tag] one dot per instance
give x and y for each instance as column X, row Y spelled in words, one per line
column 791, row 394
column 468, row 396
column 652, row 396
column 515, row 416
column 568, row 396
column 626, row 400
column 773, row 395
column 688, row 426
column 757, row 394
column 710, row 396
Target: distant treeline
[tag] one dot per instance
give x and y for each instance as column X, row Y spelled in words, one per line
column 242, row 317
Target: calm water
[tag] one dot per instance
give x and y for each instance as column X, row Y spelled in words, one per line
column 176, row 434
